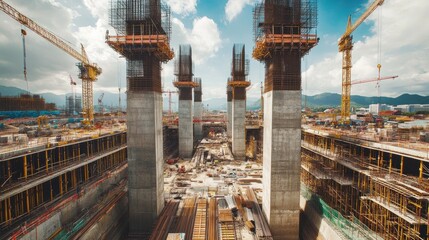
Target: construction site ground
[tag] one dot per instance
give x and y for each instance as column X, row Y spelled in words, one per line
column 228, row 191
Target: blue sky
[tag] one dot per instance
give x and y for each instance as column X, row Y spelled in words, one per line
column 212, row 27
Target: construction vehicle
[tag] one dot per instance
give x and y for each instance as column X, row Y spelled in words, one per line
column 88, row 71
column 172, row 161
column 181, row 169
column 42, row 122
column 345, row 46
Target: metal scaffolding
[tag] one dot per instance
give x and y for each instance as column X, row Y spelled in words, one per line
column 136, row 17
column 25, row 102
column 284, row 25
column 143, row 31
column 381, row 189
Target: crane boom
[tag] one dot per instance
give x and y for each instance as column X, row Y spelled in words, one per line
column 88, row 71
column 345, row 45
column 373, row 80
column 19, row 17
column 351, row 28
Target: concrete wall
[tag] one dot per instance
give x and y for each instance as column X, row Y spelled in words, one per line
column 74, row 209
column 229, row 125
column 323, row 230
column 238, row 129
column 281, row 167
column 198, row 114
column 145, row 160
column 112, row 225
column 45, row 229
column 186, row 129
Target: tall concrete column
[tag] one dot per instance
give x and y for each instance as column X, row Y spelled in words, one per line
column 229, row 111
column 282, row 105
column 145, row 160
column 281, row 162
column 198, row 116
column 198, row 110
column 134, row 19
column 239, row 128
column 184, row 82
column 238, row 83
column 186, row 129
column 282, row 144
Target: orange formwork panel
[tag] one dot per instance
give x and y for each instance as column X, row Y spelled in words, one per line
column 239, row 84
column 188, row 84
column 158, row 44
column 270, row 42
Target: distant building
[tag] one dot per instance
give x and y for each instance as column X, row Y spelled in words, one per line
column 377, row 108
column 25, row 102
column 412, row 108
column 405, row 108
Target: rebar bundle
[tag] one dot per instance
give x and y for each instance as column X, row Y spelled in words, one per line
column 183, row 66
column 285, row 17
column 240, row 65
column 140, row 17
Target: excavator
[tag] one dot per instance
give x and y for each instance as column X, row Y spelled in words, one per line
column 88, row 71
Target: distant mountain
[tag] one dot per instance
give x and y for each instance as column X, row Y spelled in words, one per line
column 11, row 91
column 316, row 101
column 109, row 99
column 334, row 100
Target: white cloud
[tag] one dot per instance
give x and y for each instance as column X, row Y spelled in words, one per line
column 99, row 9
column 182, row 7
column 234, row 7
column 404, row 53
column 204, row 37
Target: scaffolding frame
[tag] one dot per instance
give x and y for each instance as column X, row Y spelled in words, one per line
column 143, row 29
column 388, row 202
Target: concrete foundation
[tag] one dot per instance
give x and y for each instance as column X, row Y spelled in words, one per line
column 229, row 125
column 281, row 167
column 186, row 135
column 145, row 160
column 238, row 129
column 198, row 125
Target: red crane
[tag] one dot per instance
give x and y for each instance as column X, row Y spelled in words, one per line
column 373, row 80
column 170, row 102
column 378, row 79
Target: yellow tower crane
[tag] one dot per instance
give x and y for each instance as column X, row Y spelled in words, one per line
column 345, row 45
column 88, row 71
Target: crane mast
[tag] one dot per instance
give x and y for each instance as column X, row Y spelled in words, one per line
column 88, row 71
column 345, row 45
